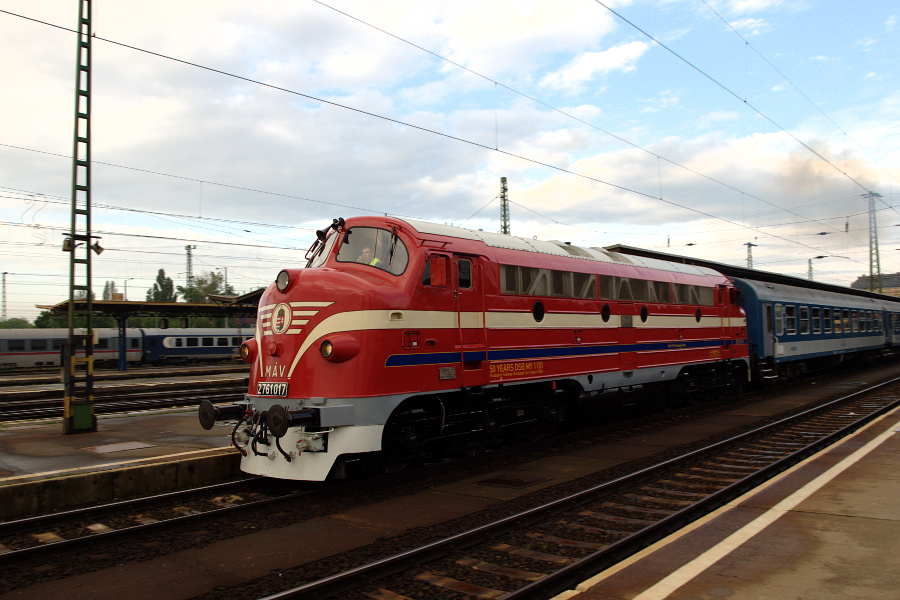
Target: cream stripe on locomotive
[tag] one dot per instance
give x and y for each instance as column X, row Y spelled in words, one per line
column 368, row 320
column 286, row 318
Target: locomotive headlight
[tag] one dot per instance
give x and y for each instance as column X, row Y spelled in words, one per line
column 248, row 351
column 339, row 347
column 283, row 281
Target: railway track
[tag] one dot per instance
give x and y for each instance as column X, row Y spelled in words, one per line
column 44, row 404
column 545, row 550
column 76, row 530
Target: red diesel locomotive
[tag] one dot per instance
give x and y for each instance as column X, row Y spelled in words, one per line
column 400, row 337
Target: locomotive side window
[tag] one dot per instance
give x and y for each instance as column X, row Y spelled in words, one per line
column 378, row 248
column 530, row 281
column 826, row 324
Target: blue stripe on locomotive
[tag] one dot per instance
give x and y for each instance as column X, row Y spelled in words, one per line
column 801, row 346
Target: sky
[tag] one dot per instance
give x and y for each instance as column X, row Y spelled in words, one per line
column 694, row 127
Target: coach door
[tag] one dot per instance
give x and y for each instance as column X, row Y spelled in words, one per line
column 469, row 299
column 772, row 327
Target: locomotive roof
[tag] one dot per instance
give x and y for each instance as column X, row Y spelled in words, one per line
column 511, row 242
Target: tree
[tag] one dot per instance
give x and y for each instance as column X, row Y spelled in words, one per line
column 206, row 284
column 15, row 323
column 109, row 289
column 163, row 290
column 47, row 320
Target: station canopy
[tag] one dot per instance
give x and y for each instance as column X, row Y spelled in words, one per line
column 221, row 306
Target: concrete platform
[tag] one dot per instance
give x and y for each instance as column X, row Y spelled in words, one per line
column 129, row 455
column 828, row 529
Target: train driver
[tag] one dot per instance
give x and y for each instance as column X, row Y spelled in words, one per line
column 367, row 258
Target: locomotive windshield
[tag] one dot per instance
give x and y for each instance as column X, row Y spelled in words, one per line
column 378, row 248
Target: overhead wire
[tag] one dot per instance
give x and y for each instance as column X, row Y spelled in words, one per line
column 456, row 138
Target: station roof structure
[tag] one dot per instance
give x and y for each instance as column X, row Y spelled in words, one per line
column 222, row 306
column 743, row 272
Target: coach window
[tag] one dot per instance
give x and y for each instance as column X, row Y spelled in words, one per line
column 16, row 345
column 838, row 322
column 854, row 321
column 790, row 319
column 847, row 328
column 817, row 319
column 379, row 248
column 804, row 319
column 179, row 342
column 826, row 320
column 38, row 345
column 208, row 341
column 135, row 343
column 193, row 342
column 222, row 341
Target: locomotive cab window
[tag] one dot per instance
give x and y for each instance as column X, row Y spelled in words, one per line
column 464, row 266
column 376, row 248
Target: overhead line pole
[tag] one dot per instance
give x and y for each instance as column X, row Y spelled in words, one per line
column 78, row 356
column 874, row 255
column 504, row 207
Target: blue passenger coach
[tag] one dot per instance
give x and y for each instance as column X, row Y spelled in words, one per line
column 794, row 328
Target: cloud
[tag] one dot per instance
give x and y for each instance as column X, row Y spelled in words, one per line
column 750, row 26
column 587, row 66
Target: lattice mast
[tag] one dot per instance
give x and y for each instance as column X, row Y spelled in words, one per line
column 504, row 207
column 874, row 256
column 78, row 358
